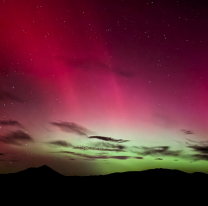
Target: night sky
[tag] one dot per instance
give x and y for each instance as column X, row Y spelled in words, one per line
column 91, row 87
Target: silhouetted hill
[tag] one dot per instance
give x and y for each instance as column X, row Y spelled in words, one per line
column 158, row 180
column 46, row 172
column 43, row 171
column 151, row 185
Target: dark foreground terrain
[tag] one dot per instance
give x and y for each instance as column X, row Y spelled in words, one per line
column 157, row 182
column 159, row 175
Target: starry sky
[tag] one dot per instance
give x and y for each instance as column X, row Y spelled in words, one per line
column 92, row 87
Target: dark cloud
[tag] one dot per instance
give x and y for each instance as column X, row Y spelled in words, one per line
column 119, row 157
column 83, row 155
column 124, row 73
column 192, row 141
column 95, row 148
column 162, row 150
column 109, row 145
column 158, row 159
column 92, row 65
column 138, row 157
column 61, row 143
column 136, row 147
column 84, row 64
column 178, row 141
column 10, row 123
column 18, row 138
column 199, row 142
column 200, row 149
column 102, row 153
column 187, row 131
column 188, row 143
column 96, row 157
column 9, row 96
column 72, row 128
column 108, row 139
column 199, row 157
column 1, row 154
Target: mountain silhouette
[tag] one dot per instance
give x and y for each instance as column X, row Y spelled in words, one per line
column 46, row 171
column 153, row 175
column 159, row 181
column 43, row 171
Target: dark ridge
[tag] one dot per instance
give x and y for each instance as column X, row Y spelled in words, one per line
column 158, row 178
column 44, row 180
column 45, row 171
column 40, row 172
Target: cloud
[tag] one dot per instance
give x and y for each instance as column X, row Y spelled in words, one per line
column 199, row 142
column 1, row 154
column 10, row 123
column 138, row 157
column 84, row 64
column 188, row 143
column 96, row 157
column 72, row 128
column 9, row 96
column 94, row 148
column 61, row 143
column 192, row 141
column 178, row 141
column 109, row 145
column 161, row 150
column 200, row 149
column 108, row 139
column 119, row 157
column 18, row 138
column 124, row 73
column 70, row 159
column 199, row 157
column 92, row 65
column 187, row 131
column 102, row 153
